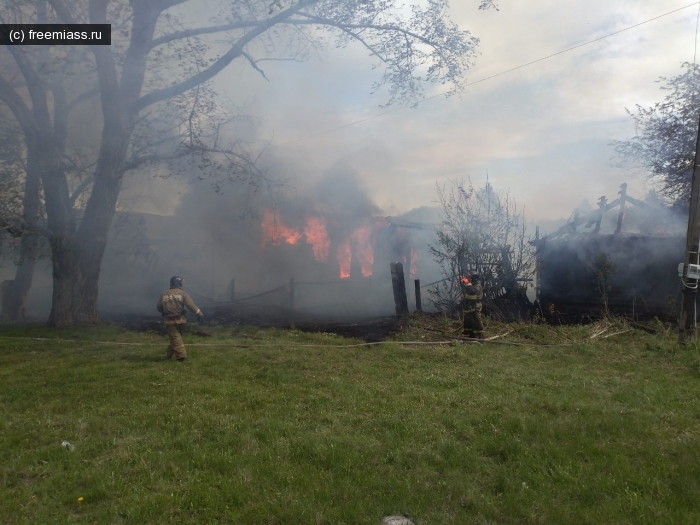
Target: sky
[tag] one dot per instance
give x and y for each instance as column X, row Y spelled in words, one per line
column 542, row 131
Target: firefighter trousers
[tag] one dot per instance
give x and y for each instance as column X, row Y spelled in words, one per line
column 176, row 346
column 473, row 323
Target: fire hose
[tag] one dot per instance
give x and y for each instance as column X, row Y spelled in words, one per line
column 248, row 345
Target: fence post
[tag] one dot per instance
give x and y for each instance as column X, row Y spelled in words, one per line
column 398, row 282
column 419, row 304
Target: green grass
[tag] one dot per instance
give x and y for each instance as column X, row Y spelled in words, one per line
column 602, row 431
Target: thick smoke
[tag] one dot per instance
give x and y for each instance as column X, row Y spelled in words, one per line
column 339, row 194
column 328, row 236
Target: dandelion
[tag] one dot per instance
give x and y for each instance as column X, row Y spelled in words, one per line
column 80, row 498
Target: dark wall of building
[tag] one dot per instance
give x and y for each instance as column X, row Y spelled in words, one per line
column 643, row 271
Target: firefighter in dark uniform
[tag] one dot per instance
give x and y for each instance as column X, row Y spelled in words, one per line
column 472, row 294
column 172, row 304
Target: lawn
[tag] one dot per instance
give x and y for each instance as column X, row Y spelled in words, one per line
column 267, row 426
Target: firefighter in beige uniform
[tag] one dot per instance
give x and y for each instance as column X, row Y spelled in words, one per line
column 472, row 294
column 172, row 305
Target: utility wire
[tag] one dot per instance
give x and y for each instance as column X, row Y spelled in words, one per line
column 502, row 73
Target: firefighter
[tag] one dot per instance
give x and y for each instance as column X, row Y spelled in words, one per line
column 472, row 294
column 172, row 305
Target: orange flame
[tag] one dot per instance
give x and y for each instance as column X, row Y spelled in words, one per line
column 275, row 232
column 317, row 236
column 413, row 270
column 364, row 251
column 344, row 258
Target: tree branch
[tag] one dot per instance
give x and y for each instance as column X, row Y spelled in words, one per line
column 254, row 63
column 221, row 63
column 179, row 35
column 146, row 146
column 18, row 107
column 82, row 98
column 145, row 15
column 19, row 226
column 167, row 4
column 60, row 114
column 364, row 43
column 137, row 162
column 62, row 11
column 35, row 86
column 80, row 189
column 313, row 19
column 106, row 70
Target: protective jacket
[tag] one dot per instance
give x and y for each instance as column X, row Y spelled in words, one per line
column 472, row 294
column 172, row 304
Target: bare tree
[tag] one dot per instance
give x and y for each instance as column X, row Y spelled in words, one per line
column 153, row 42
column 482, row 232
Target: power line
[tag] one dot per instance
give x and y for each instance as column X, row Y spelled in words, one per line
column 498, row 74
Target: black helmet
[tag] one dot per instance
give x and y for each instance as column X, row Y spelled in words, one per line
column 175, row 282
column 475, row 277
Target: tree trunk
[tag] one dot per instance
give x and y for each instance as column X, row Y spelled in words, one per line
column 15, row 308
column 14, row 302
column 25, row 275
column 91, row 239
column 91, row 243
column 61, row 225
column 117, row 97
column 64, row 277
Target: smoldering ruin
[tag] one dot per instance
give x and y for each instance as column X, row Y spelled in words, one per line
column 621, row 257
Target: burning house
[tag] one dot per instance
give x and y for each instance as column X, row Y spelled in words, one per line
column 348, row 265
column 352, row 255
column 333, row 247
column 326, row 253
column 347, row 254
column 632, row 269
